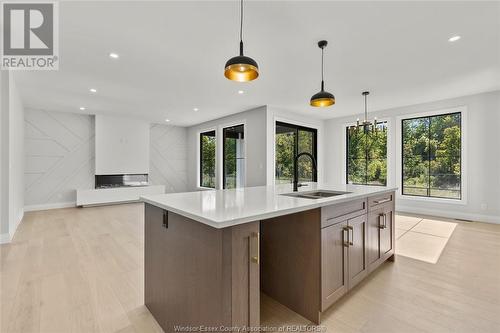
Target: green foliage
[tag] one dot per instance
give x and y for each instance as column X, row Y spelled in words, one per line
column 367, row 156
column 431, row 156
column 207, row 161
column 284, row 144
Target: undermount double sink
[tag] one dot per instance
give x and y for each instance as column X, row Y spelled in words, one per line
column 318, row 194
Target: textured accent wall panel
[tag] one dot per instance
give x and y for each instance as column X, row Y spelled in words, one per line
column 59, row 151
column 168, row 157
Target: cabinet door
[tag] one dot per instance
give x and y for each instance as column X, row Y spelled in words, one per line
column 334, row 269
column 245, row 273
column 155, row 277
column 357, row 250
column 373, row 232
column 386, row 233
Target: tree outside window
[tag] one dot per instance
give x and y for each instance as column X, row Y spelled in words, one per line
column 367, row 155
column 431, row 151
column 290, row 141
column 207, row 159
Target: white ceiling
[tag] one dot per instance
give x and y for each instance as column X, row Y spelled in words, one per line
column 172, row 56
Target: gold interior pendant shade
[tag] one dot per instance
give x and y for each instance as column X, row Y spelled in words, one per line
column 322, row 98
column 241, row 68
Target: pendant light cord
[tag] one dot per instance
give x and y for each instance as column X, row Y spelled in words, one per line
column 241, row 20
column 366, row 112
column 241, row 28
column 322, row 69
column 322, row 66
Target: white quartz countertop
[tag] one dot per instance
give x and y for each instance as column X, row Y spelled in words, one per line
column 225, row 208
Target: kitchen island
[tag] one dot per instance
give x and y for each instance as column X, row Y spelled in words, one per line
column 209, row 254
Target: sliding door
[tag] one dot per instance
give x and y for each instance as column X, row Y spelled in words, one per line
column 233, row 160
column 291, row 140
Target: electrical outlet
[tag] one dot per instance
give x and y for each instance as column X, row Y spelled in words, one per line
column 484, row 206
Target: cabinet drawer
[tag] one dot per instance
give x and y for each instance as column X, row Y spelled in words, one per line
column 378, row 200
column 337, row 213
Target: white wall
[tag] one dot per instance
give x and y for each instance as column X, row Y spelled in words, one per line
column 12, row 158
column 4, row 157
column 168, row 157
column 121, row 145
column 59, row 148
column 255, row 137
column 16, row 158
column 59, row 157
column 482, row 160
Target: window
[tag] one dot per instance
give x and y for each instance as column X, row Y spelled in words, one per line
column 207, row 159
column 367, row 155
column 290, row 141
column 233, row 162
column 431, row 151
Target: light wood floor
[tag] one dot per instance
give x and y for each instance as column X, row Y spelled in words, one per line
column 81, row 270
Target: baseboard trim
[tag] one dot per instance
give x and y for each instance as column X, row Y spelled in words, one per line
column 18, row 222
column 450, row 214
column 7, row 237
column 4, row 238
column 56, row 205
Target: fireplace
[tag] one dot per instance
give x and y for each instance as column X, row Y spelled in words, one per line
column 127, row 180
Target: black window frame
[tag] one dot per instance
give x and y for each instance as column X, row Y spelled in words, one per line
column 224, row 151
column 298, row 128
column 429, row 168
column 386, row 124
column 206, row 133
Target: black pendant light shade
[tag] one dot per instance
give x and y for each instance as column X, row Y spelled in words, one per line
column 322, row 98
column 241, row 68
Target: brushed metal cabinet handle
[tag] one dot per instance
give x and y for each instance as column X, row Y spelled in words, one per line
column 346, row 243
column 381, row 224
column 382, row 201
column 255, row 237
column 351, row 239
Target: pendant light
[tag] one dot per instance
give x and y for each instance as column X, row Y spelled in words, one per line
column 366, row 124
column 323, row 98
column 241, row 68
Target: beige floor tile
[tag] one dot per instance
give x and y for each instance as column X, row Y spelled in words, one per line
column 436, row 228
column 406, row 222
column 420, row 246
column 399, row 232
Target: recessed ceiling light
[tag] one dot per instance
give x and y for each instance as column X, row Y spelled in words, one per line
column 114, row 55
column 82, row 108
column 240, row 92
column 167, row 120
column 195, row 109
column 93, row 90
column 454, row 38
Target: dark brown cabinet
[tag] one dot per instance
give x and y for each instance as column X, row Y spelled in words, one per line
column 356, row 238
column 381, row 239
column 334, row 263
column 386, row 232
column 357, row 250
column 196, row 275
column 154, row 260
column 343, row 258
